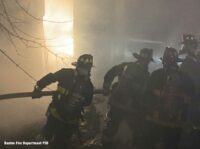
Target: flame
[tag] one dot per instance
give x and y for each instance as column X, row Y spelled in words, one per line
column 59, row 36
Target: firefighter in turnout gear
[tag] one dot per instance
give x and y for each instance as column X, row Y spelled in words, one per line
column 168, row 94
column 191, row 65
column 125, row 100
column 74, row 91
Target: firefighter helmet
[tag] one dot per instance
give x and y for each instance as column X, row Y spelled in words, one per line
column 189, row 43
column 170, row 56
column 85, row 60
column 145, row 53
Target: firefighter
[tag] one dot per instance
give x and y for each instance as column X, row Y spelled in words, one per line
column 125, row 100
column 191, row 63
column 74, row 91
column 191, row 66
column 167, row 97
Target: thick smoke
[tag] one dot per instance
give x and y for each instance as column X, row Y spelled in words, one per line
column 17, row 115
column 109, row 29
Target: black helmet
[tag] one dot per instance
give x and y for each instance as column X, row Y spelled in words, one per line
column 189, row 41
column 85, row 60
column 145, row 53
column 170, row 56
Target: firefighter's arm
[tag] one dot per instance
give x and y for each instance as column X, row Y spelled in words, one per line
column 110, row 75
column 42, row 83
column 45, row 81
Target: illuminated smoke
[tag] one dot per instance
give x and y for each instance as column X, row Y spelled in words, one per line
column 146, row 41
column 60, row 34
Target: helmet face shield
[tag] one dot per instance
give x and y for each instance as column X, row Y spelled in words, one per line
column 170, row 57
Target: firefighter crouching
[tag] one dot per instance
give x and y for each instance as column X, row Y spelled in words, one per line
column 168, row 95
column 75, row 90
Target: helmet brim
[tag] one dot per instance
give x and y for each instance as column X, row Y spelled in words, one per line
column 76, row 63
column 138, row 56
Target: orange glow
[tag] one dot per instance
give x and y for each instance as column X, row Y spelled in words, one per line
column 59, row 35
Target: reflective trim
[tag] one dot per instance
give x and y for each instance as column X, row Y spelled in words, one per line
column 37, row 88
column 62, row 90
column 55, row 114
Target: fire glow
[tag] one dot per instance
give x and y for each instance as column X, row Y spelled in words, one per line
column 58, row 34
